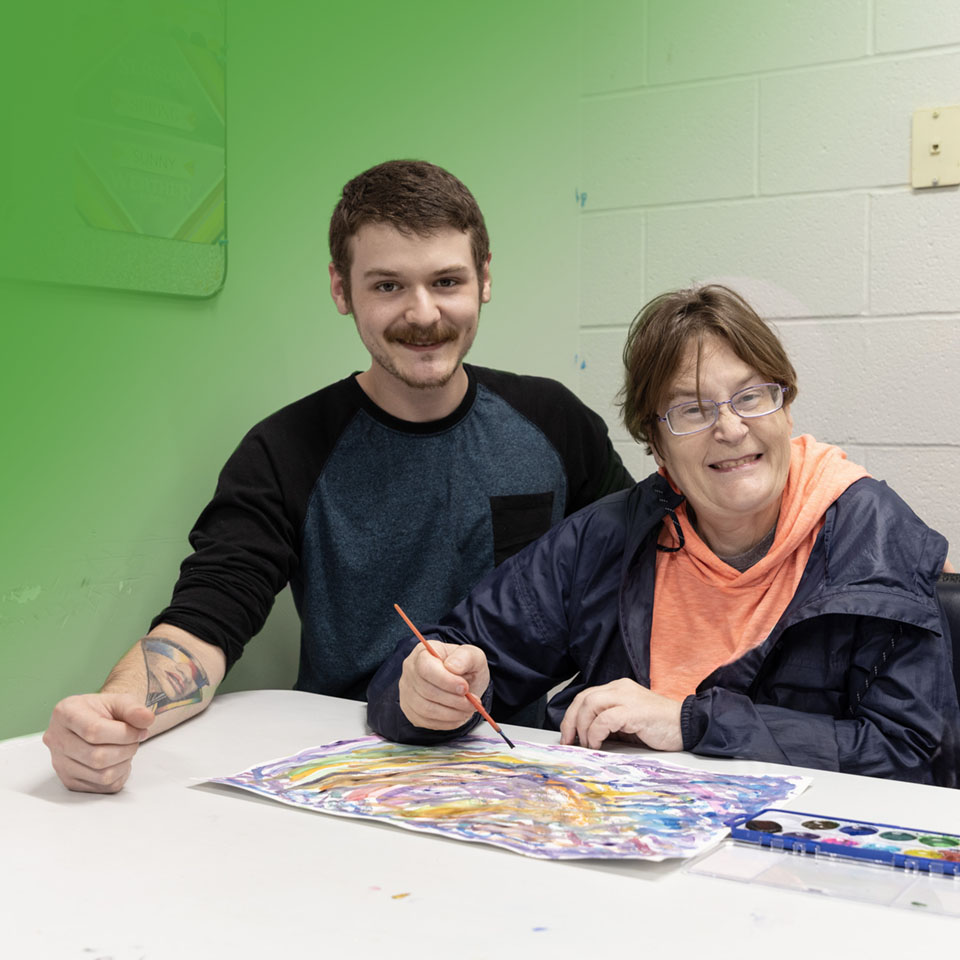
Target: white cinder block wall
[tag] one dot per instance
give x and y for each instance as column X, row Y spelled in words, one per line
column 766, row 145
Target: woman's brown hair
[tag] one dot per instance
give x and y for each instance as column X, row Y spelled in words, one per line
column 659, row 336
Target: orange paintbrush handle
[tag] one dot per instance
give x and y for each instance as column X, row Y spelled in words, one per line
column 479, row 707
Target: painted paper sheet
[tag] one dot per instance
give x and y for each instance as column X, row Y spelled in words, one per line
column 542, row 801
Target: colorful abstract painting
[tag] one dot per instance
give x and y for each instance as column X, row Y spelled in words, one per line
column 542, row 801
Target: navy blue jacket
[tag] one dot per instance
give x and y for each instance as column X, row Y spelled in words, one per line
column 855, row 676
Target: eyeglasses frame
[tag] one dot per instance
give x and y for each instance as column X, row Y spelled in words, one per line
column 717, row 404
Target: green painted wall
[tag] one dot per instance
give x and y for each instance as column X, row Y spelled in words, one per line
column 118, row 409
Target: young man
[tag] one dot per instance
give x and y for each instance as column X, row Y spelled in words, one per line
column 405, row 483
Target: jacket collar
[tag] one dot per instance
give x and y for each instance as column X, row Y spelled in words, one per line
column 646, row 506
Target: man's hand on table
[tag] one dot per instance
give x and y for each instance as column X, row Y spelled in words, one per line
column 92, row 738
column 432, row 691
column 622, row 709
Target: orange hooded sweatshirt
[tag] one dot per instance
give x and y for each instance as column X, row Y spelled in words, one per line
column 705, row 612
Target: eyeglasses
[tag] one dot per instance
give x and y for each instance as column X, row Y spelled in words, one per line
column 693, row 416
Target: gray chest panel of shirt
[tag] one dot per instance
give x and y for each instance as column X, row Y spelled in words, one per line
column 406, row 518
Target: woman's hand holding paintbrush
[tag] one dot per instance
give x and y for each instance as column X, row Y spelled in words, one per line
column 437, row 680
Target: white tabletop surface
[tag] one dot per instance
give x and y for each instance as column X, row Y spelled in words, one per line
column 169, row 868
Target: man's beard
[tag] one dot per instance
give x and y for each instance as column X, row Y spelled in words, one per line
column 434, row 384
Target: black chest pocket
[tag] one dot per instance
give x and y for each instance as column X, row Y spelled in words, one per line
column 518, row 520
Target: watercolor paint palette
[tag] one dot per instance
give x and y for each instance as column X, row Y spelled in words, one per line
column 912, row 849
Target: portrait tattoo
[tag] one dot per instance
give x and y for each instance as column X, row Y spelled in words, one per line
column 174, row 677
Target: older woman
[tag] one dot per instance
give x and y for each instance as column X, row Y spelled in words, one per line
column 758, row 597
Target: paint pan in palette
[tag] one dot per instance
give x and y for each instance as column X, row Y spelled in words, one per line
column 908, row 848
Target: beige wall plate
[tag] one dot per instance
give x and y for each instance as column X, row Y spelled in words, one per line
column 935, row 151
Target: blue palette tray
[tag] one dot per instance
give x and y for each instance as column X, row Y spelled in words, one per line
column 905, row 847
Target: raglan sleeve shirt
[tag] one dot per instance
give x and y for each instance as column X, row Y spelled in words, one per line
column 249, row 541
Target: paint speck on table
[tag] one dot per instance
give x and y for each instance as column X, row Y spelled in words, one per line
column 399, row 896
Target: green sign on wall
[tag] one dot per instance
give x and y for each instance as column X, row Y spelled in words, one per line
column 118, row 149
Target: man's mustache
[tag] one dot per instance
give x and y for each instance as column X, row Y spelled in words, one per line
column 419, row 336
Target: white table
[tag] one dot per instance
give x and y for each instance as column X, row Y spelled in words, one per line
column 168, row 868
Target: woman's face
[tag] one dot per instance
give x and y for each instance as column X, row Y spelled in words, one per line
column 732, row 473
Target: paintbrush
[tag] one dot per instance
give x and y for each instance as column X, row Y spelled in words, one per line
column 475, row 701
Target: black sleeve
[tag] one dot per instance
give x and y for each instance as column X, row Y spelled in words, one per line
column 246, row 541
column 579, row 435
column 614, row 476
column 594, row 467
column 245, row 551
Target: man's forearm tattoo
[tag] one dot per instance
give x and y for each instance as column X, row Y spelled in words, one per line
column 175, row 677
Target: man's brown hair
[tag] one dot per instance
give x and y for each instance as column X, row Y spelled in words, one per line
column 660, row 333
column 415, row 197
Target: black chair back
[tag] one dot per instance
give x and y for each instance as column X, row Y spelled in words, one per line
column 948, row 592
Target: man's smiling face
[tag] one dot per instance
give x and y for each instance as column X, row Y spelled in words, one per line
column 415, row 300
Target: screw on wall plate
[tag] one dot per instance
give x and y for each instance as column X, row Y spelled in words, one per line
column 936, row 113
column 935, row 182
